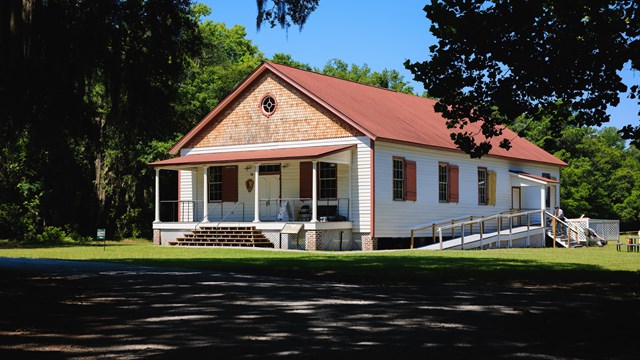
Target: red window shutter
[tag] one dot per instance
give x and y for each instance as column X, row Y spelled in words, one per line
column 230, row 184
column 306, row 175
column 410, row 181
column 453, row 183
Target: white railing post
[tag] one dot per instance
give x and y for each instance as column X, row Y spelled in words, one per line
column 205, row 194
column 256, row 194
column 314, row 193
column 440, row 236
column 158, row 195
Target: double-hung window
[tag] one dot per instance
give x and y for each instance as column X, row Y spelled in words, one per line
column 398, row 179
column 328, row 180
column 404, row 180
column 223, row 183
column 215, row 183
column 448, row 183
column 482, row 186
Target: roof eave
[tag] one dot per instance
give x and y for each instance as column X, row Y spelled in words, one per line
column 441, row 148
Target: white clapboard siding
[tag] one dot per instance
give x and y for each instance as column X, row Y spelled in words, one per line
column 361, row 188
column 186, row 194
column 395, row 218
column 354, row 180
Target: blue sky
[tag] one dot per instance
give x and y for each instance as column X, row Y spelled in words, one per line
column 378, row 33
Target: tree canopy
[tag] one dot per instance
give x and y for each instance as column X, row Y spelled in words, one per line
column 497, row 60
column 284, row 12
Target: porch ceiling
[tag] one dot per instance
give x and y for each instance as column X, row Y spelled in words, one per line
column 302, row 153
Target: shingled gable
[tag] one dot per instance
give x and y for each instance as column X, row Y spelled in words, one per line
column 378, row 113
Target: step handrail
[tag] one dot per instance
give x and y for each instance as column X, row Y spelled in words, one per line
column 568, row 225
column 231, row 212
column 206, row 217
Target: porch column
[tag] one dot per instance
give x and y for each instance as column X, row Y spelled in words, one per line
column 205, row 194
column 314, row 192
column 157, row 195
column 350, row 192
column 543, row 197
column 256, row 194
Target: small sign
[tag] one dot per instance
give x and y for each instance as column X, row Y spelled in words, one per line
column 101, row 234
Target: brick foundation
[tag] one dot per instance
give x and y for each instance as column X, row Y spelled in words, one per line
column 313, row 240
column 369, row 243
column 157, row 237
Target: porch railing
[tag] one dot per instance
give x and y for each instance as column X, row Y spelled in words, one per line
column 177, row 210
column 299, row 209
column 285, row 209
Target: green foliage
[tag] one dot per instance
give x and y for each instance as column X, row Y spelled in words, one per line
column 227, row 57
column 285, row 12
column 87, row 85
column 534, row 59
column 286, row 59
column 53, row 235
column 388, row 79
column 603, row 176
column 130, row 224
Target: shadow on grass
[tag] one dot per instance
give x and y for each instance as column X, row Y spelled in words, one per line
column 91, row 310
column 372, row 269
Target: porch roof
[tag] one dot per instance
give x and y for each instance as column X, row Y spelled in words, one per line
column 302, row 153
column 534, row 178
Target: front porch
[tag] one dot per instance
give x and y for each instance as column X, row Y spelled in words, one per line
column 312, row 236
column 309, row 186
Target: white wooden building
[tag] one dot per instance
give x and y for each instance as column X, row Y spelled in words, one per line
column 367, row 163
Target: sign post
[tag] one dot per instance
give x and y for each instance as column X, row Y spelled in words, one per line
column 101, row 235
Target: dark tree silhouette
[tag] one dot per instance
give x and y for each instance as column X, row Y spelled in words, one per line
column 496, row 60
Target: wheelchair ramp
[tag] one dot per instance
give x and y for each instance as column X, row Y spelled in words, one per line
column 517, row 237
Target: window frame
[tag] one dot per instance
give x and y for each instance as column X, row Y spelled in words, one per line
column 402, row 180
column 265, row 112
column 445, row 183
column 483, row 190
column 332, row 181
column 213, row 183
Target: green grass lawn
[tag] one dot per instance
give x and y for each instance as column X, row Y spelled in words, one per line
column 528, row 265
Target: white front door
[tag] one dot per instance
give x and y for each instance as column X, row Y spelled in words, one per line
column 515, row 198
column 269, row 196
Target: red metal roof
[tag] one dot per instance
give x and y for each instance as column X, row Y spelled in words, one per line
column 535, row 177
column 400, row 117
column 379, row 113
column 257, row 155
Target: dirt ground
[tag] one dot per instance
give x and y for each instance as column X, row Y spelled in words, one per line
column 75, row 310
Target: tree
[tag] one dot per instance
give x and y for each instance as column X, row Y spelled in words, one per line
column 285, row 12
column 286, row 59
column 86, row 85
column 227, row 57
column 603, row 176
column 497, row 60
column 388, row 79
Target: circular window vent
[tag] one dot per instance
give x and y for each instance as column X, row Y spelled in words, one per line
column 268, row 105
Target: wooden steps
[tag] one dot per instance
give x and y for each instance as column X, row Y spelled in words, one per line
column 229, row 236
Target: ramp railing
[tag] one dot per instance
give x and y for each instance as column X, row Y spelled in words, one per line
column 480, row 224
